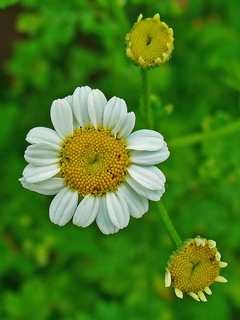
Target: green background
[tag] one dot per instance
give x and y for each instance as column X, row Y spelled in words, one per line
column 48, row 48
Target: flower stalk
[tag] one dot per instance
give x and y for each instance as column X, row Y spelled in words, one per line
column 169, row 225
column 146, row 97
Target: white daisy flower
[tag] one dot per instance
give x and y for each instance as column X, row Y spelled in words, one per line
column 95, row 166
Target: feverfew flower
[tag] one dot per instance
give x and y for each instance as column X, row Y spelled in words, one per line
column 194, row 267
column 95, row 166
column 150, row 42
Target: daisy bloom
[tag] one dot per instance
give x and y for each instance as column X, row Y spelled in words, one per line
column 194, row 267
column 150, row 42
column 95, row 166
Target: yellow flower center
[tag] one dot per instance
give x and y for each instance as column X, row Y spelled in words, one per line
column 150, row 42
column 194, row 268
column 93, row 161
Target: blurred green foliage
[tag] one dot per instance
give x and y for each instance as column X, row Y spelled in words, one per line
column 49, row 272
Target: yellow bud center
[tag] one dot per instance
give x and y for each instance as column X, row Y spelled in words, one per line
column 93, row 161
column 150, row 42
column 194, row 267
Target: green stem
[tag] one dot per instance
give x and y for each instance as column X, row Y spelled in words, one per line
column 146, row 97
column 205, row 136
column 168, row 224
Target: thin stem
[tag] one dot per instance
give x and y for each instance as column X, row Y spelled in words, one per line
column 146, row 97
column 168, row 225
column 205, row 136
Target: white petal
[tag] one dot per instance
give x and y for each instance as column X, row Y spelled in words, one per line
column 44, row 135
column 148, row 140
column 146, row 177
column 199, row 242
column 96, row 104
column 137, row 205
column 128, row 126
column 153, row 195
column 221, row 279
column 218, row 256
column 86, row 211
column 124, row 126
column 207, row 290
column 41, row 154
column 149, row 157
column 202, row 296
column 80, row 106
column 50, row 186
column 194, row 296
column 158, row 172
column 69, row 100
column 222, row 264
column 178, row 293
column 113, row 111
column 212, row 244
column 103, row 221
column 62, row 118
column 25, row 184
column 34, row 174
column 117, row 209
column 63, row 206
column 168, row 278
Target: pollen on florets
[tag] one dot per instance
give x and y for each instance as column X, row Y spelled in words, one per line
column 194, row 267
column 93, row 161
column 150, row 42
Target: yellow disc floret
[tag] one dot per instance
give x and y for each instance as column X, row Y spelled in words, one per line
column 93, row 161
column 150, row 43
column 194, row 267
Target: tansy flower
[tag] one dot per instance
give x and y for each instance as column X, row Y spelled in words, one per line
column 92, row 162
column 194, row 267
column 150, row 42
